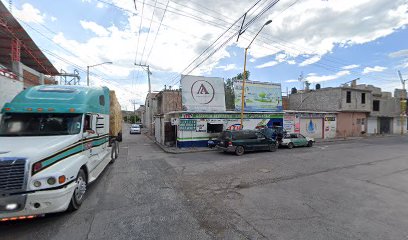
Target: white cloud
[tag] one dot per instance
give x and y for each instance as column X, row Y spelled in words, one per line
column 100, row 5
column 267, row 64
column 350, row 66
column 29, row 14
column 310, row 28
column 401, row 53
column 315, row 78
column 95, row 28
column 53, row 19
column 228, row 67
column 373, row 69
column 309, row 61
column 292, row 80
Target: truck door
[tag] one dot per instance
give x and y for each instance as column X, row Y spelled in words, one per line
column 89, row 138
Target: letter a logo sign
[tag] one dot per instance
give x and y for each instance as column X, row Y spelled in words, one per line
column 202, row 90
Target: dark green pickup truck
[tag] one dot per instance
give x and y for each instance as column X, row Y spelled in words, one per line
column 243, row 141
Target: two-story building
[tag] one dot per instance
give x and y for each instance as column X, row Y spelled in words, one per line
column 351, row 104
column 360, row 109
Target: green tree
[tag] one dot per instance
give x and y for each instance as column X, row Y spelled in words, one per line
column 229, row 90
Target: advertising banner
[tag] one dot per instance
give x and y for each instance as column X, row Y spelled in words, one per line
column 202, row 93
column 259, row 96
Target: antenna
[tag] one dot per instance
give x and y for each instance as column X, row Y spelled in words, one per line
column 402, row 80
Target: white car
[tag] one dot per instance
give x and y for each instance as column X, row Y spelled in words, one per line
column 135, row 129
column 296, row 140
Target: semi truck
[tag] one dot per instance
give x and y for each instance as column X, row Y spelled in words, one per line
column 55, row 141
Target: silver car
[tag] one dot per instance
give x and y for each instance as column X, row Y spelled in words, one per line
column 135, row 129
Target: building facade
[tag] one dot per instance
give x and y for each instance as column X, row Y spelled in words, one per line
column 360, row 109
column 22, row 63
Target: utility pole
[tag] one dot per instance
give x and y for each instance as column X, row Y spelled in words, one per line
column 148, row 74
column 403, row 102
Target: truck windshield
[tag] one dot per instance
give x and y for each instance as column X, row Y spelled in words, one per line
column 40, row 124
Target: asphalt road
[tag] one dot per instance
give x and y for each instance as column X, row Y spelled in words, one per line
column 348, row 190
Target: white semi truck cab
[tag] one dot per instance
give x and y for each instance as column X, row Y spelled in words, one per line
column 54, row 141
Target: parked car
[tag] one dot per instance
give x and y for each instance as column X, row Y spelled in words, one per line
column 296, row 140
column 135, row 128
column 243, row 141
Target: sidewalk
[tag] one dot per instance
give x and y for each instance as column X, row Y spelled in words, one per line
column 176, row 150
column 354, row 138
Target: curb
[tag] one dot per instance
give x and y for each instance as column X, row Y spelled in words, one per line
column 167, row 150
column 356, row 138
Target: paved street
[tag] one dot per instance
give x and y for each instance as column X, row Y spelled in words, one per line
column 348, row 190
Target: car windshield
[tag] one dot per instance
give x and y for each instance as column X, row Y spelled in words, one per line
column 40, row 124
column 135, row 126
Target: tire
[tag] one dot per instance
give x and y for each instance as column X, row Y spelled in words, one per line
column 239, row 150
column 310, row 144
column 290, row 145
column 272, row 147
column 114, row 151
column 119, row 137
column 79, row 192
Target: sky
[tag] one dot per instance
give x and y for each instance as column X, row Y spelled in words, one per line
column 326, row 42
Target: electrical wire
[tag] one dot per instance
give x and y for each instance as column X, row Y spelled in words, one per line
column 140, row 30
column 157, row 32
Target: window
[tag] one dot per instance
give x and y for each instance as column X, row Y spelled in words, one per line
column 363, row 121
column 363, row 100
column 348, row 99
column 88, row 122
column 102, row 100
column 376, row 105
column 214, row 128
column 40, row 124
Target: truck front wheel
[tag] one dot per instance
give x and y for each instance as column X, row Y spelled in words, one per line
column 79, row 192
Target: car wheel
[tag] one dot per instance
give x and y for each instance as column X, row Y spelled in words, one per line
column 290, row 145
column 239, row 150
column 310, row 144
column 273, row 147
column 79, row 192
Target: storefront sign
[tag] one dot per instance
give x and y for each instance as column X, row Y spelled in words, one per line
column 259, row 96
column 187, row 125
column 202, row 93
column 231, row 115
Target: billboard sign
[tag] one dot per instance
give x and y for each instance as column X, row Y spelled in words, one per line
column 202, row 93
column 259, row 96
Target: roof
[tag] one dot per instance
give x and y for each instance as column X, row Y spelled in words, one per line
column 30, row 53
column 61, row 99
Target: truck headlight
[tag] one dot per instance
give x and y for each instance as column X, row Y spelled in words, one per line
column 37, row 184
column 51, row 180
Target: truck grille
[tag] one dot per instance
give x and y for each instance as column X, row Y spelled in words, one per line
column 12, row 174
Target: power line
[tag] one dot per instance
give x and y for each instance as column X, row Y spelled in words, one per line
column 148, row 33
column 140, row 30
column 157, row 32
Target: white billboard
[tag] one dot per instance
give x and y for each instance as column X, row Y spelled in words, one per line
column 202, row 93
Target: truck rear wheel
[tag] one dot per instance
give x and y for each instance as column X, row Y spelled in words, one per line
column 114, row 151
column 79, row 192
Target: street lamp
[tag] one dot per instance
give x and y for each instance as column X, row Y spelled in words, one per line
column 244, row 75
column 87, row 70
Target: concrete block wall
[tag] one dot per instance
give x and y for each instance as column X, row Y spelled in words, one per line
column 327, row 99
column 356, row 103
column 9, row 89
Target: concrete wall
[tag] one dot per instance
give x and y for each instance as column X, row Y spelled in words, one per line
column 389, row 107
column 327, row 99
column 356, row 103
column 9, row 88
column 397, row 125
column 349, row 124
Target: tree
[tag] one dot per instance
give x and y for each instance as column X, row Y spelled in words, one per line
column 229, row 90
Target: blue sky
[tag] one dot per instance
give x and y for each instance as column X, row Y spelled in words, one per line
column 331, row 42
